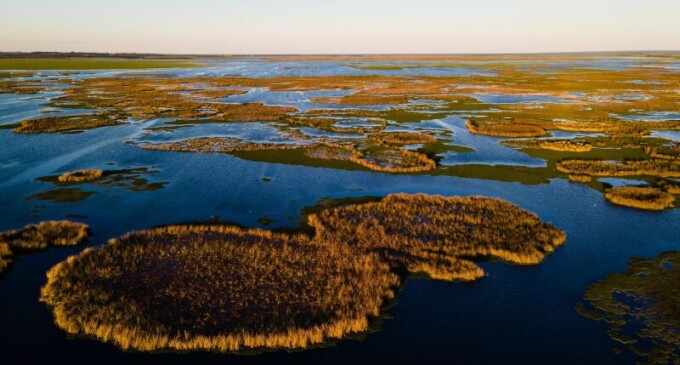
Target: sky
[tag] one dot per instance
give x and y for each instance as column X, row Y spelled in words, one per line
column 338, row 26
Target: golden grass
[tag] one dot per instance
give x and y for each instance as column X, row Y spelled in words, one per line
column 653, row 167
column 580, row 178
column 217, row 144
column 437, row 236
column 81, row 175
column 50, row 233
column 647, row 198
column 364, row 99
column 550, row 144
column 221, row 288
column 503, row 128
column 38, row 237
column 386, row 160
column 401, row 138
column 58, row 124
column 670, row 152
column 644, row 298
column 153, row 97
column 217, row 288
column 5, row 257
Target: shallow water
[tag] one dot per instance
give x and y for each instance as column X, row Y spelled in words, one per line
column 515, row 315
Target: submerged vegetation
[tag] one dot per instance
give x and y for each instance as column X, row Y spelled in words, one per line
column 222, row 288
column 647, row 198
column 39, row 236
column 641, row 307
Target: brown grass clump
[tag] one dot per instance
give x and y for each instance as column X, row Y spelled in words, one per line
column 437, row 235
column 217, row 288
column 670, row 152
column 217, row 144
column 5, row 257
column 580, row 178
column 550, row 144
column 647, row 198
column 401, row 138
column 655, row 167
column 58, row 124
column 38, row 237
column 384, row 160
column 81, row 175
column 364, row 99
column 503, row 128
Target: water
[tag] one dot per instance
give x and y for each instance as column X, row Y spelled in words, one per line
column 515, row 315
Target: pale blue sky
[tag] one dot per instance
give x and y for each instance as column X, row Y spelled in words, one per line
column 338, row 26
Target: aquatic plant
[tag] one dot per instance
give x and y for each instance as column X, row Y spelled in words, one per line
column 401, row 138
column 641, row 307
column 50, row 233
column 549, row 144
column 81, row 175
column 653, row 167
column 38, row 237
column 504, row 128
column 438, row 236
column 5, row 257
column 648, row 198
column 210, row 287
column 56, row 124
column 131, row 179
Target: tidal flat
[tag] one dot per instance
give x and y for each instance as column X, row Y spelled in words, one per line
column 327, row 155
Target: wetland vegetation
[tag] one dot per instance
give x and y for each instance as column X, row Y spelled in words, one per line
column 251, row 288
column 641, row 307
column 35, row 237
column 530, row 120
column 648, row 198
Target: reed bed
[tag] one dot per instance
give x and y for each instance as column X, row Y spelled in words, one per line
column 222, row 288
column 217, row 288
column 652, row 167
column 401, row 138
column 644, row 298
column 57, row 124
column 549, row 144
column 81, row 175
column 504, row 129
column 647, row 198
column 437, row 236
column 34, row 237
column 217, row 144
